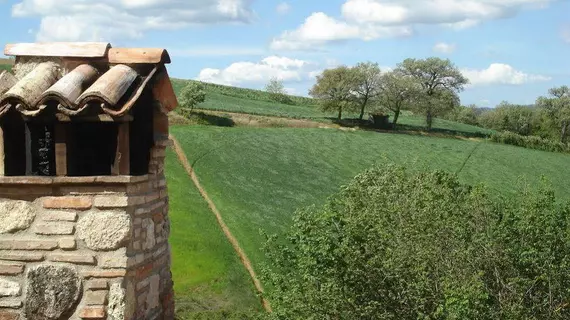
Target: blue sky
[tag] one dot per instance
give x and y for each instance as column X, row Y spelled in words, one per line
column 511, row 50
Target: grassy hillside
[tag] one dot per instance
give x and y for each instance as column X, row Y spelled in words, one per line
column 240, row 100
column 209, row 280
column 259, row 176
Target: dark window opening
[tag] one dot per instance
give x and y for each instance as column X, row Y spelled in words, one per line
column 42, row 149
column 141, row 132
column 14, row 131
column 91, row 148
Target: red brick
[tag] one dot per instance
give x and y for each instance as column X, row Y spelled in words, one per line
column 93, row 313
column 144, row 271
column 80, row 203
column 115, row 273
column 9, row 315
column 28, row 244
column 11, row 269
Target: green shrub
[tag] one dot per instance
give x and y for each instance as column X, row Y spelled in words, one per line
column 531, row 142
column 396, row 244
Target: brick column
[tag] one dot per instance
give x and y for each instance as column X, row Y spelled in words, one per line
column 86, row 247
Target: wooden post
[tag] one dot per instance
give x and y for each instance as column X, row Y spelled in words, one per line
column 60, row 149
column 122, row 165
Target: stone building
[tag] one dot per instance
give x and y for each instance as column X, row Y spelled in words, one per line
column 83, row 200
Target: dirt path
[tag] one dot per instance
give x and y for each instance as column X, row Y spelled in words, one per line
column 234, row 242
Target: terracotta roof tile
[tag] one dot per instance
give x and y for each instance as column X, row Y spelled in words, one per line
column 105, row 80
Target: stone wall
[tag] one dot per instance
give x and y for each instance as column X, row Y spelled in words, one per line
column 86, row 247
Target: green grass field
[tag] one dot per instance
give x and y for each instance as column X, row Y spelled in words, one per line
column 209, row 280
column 259, row 176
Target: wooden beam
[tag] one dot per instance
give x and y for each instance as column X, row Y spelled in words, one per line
column 2, row 153
column 59, row 49
column 60, row 149
column 138, row 55
column 97, row 118
column 122, row 165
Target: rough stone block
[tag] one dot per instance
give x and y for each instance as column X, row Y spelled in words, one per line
column 104, row 230
column 16, row 215
column 9, row 288
column 54, row 228
column 153, row 298
column 93, row 313
column 79, row 203
column 23, row 244
column 60, row 216
column 11, row 269
column 76, row 258
column 51, row 291
column 21, row 256
column 95, row 298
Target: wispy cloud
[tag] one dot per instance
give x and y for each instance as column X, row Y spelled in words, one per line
column 217, row 51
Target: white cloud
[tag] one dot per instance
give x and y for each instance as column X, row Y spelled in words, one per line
column 106, row 20
column 499, row 73
column 283, row 68
column 445, row 48
column 374, row 19
column 283, row 8
column 406, row 12
column 319, row 29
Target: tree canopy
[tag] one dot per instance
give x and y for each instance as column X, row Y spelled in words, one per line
column 403, row 244
column 440, row 80
column 335, row 89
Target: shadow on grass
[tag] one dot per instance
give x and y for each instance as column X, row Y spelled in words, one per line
column 405, row 129
column 210, row 119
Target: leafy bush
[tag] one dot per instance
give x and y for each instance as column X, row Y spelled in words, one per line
column 396, row 244
column 531, row 142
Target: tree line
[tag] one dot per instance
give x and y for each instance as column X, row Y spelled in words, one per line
column 548, row 118
column 427, row 86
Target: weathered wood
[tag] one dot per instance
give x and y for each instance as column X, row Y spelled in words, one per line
column 2, row 153
column 28, row 91
column 122, row 165
column 98, row 118
column 7, row 81
column 59, row 49
column 68, row 89
column 110, row 87
column 61, row 149
column 138, row 55
column 163, row 91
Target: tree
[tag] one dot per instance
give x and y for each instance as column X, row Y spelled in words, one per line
column 396, row 92
column 511, row 117
column 335, row 89
column 400, row 243
column 440, row 80
column 556, row 109
column 368, row 78
column 277, row 91
column 191, row 95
